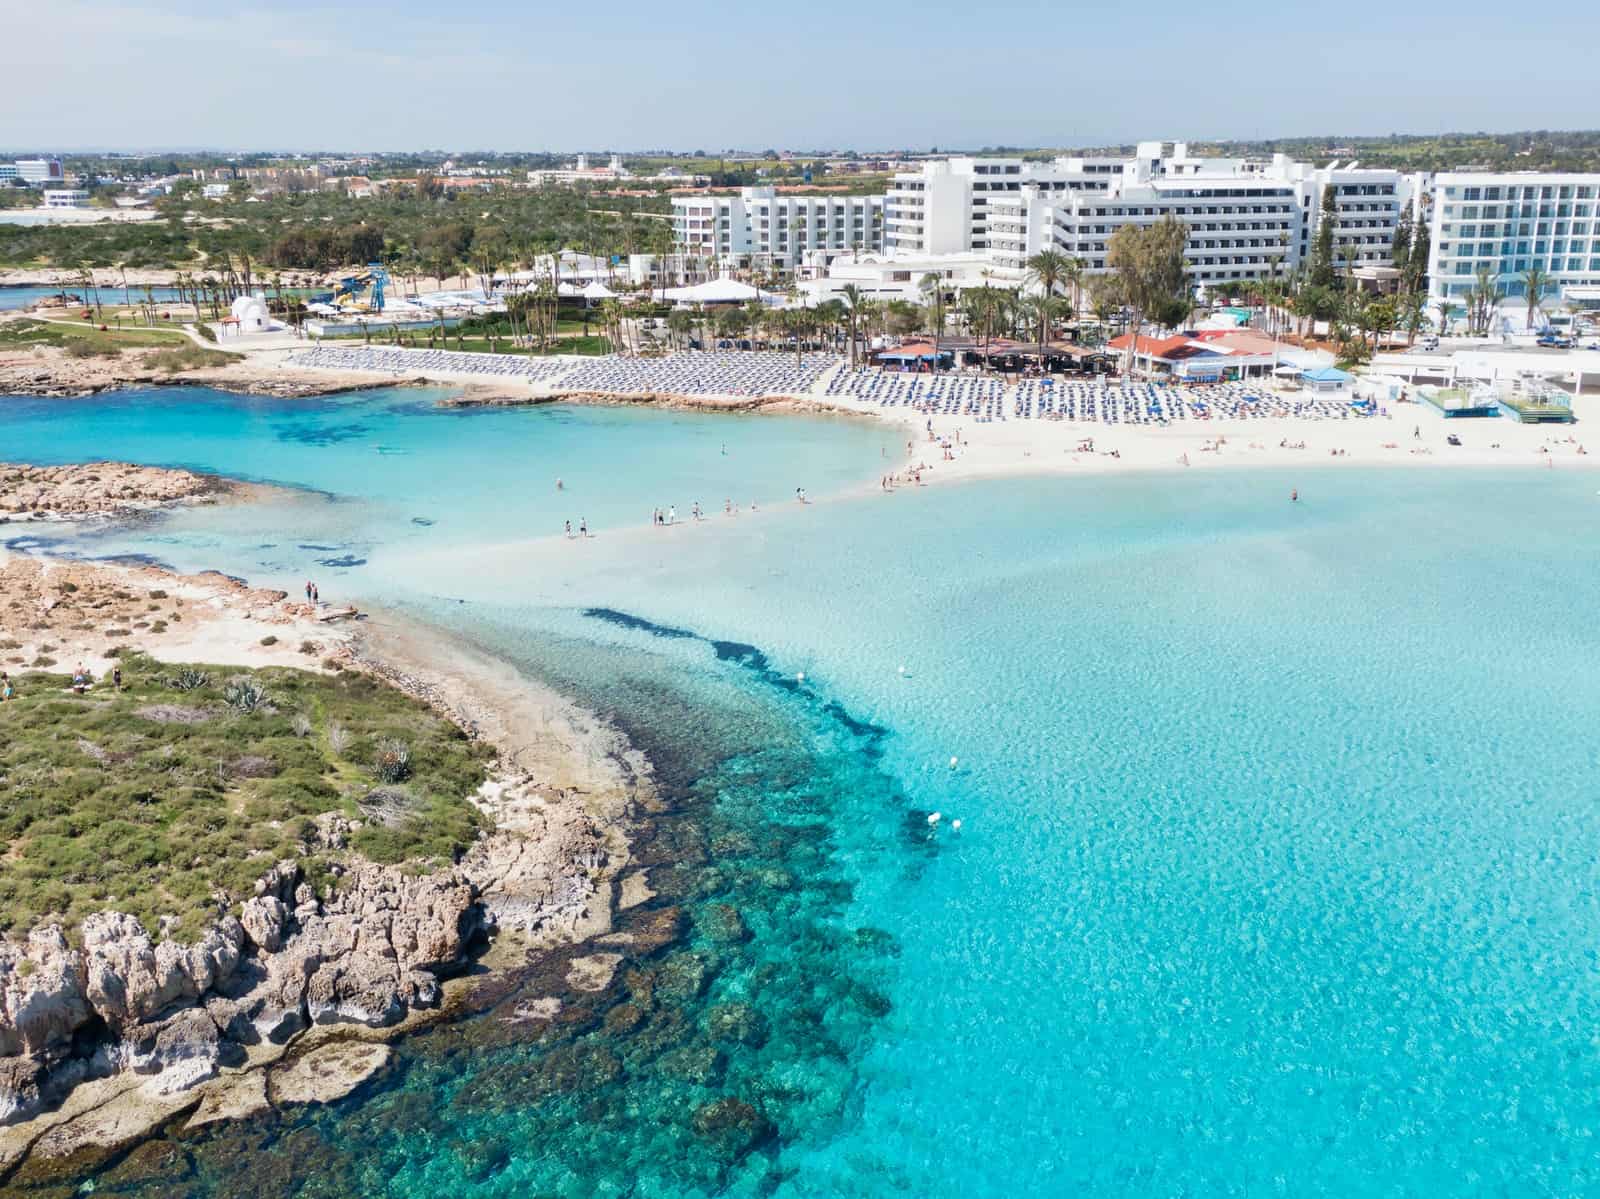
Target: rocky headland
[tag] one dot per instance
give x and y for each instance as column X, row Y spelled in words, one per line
column 110, row 1029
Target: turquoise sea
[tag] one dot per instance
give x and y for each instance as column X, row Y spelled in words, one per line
column 25, row 297
column 1279, row 863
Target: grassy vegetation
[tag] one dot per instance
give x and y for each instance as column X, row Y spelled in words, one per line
column 85, row 339
column 188, row 357
column 565, row 345
column 169, row 798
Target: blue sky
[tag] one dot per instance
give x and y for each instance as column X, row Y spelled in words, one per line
column 627, row 74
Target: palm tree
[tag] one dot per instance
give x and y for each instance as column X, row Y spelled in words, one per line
column 1534, row 280
column 1447, row 312
column 853, row 296
column 931, row 286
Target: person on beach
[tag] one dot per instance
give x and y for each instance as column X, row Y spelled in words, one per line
column 672, row 514
column 583, row 526
column 316, row 595
column 1294, row 496
column 569, row 530
column 559, row 485
column 116, row 677
column 308, row 591
column 5, row 686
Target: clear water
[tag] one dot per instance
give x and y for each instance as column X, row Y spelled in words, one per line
column 26, row 297
column 1278, row 869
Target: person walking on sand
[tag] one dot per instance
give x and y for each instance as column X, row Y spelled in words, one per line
column 672, row 514
column 583, row 526
column 569, row 530
column 316, row 595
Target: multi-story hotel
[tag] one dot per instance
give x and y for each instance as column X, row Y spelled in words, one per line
column 758, row 227
column 1245, row 218
column 1510, row 223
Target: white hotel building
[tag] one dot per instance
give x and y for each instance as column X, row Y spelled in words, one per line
column 1245, row 218
column 975, row 220
column 1509, row 223
column 758, row 227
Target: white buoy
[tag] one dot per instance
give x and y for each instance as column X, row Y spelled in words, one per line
column 955, row 826
column 953, row 762
column 902, row 670
column 801, row 677
column 934, row 819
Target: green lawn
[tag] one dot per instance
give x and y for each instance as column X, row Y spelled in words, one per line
column 66, row 333
column 158, row 798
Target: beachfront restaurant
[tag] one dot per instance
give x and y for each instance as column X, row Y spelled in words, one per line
column 914, row 356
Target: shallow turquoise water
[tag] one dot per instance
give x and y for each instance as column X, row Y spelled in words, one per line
column 24, row 297
column 1278, row 870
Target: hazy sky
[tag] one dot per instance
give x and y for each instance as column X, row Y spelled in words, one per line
column 631, row 74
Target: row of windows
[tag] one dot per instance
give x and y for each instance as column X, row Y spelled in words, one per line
column 1513, row 212
column 1523, row 229
column 1547, row 191
column 1488, row 249
column 1518, row 265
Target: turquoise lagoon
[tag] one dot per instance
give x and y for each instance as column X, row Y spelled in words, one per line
column 1278, row 864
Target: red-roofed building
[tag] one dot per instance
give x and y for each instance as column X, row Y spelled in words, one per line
column 1208, row 356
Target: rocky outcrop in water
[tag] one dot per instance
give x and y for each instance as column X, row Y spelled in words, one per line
column 97, row 489
column 365, row 953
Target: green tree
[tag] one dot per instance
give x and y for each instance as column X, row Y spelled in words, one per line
column 1147, row 269
column 1400, row 249
column 1534, row 281
column 1322, row 263
column 853, row 297
column 932, row 287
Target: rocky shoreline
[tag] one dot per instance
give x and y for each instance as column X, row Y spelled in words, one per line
column 109, row 1035
column 102, row 489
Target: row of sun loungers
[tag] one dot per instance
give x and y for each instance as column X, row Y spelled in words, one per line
column 764, row 374
column 1120, row 402
column 396, row 361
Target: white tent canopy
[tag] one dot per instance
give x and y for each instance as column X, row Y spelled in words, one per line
column 598, row 291
column 715, row 291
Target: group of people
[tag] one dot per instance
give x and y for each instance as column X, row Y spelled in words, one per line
column 313, row 596
column 583, row 528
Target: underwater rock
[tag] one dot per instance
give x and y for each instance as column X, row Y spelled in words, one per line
column 738, row 1022
column 327, row 1073
column 593, row 973
column 623, row 1019
column 722, row 922
column 654, row 930
column 732, row 1127
column 573, row 1068
column 703, row 1065
column 682, row 977
column 160, row 1162
column 876, row 940
column 734, row 844
column 483, row 1158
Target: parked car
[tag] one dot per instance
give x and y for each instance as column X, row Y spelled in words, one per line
column 1554, row 341
column 1430, row 343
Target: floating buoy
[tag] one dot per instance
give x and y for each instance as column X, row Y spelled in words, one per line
column 934, row 819
column 801, row 677
column 902, row 670
column 954, row 761
column 955, row 826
